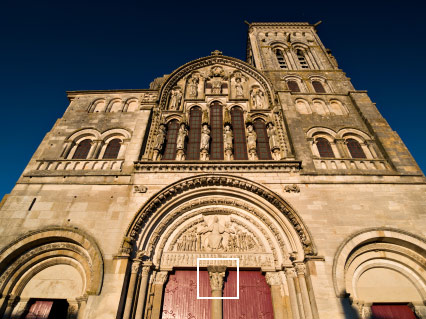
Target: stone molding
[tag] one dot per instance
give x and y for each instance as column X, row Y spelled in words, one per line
column 202, row 181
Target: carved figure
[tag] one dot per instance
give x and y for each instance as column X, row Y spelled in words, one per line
column 160, row 138
column 175, row 99
column 216, row 86
column 257, row 98
column 213, row 240
column 193, row 87
column 251, row 142
column 239, row 91
column 180, row 142
column 274, row 143
column 205, row 142
column 227, row 142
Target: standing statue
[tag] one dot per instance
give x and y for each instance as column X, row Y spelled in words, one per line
column 175, row 99
column 180, row 142
column 257, row 98
column 251, row 142
column 193, row 87
column 239, row 91
column 217, row 86
column 160, row 138
column 274, row 143
column 205, row 142
column 227, row 142
column 213, row 241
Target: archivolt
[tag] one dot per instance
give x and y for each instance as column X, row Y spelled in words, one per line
column 223, row 183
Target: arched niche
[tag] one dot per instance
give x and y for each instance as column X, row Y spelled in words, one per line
column 197, row 205
column 35, row 252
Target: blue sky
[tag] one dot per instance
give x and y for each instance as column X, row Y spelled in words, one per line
column 49, row 47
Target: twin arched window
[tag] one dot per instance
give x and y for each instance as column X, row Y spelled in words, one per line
column 111, row 151
column 82, row 149
column 325, row 149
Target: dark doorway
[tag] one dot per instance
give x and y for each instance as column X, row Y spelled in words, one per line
column 47, row 309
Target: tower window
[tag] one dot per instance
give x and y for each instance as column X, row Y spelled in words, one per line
column 355, row 148
column 263, row 150
column 82, row 150
column 194, row 136
column 302, row 59
column 280, row 59
column 318, row 87
column 112, row 149
column 172, row 132
column 293, row 86
column 216, row 123
column 324, row 147
column 240, row 146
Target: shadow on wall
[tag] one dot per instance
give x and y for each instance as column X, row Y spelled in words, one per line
column 349, row 310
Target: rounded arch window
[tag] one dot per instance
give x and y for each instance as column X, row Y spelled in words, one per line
column 172, row 132
column 216, row 123
column 82, row 149
column 240, row 145
column 280, row 58
column 324, row 147
column 293, row 86
column 194, row 136
column 302, row 60
column 112, row 149
column 355, row 148
column 318, row 87
column 262, row 143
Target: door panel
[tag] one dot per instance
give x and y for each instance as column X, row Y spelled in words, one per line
column 392, row 312
column 255, row 296
column 180, row 296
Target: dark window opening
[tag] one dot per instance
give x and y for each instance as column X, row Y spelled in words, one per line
column 240, row 143
column 281, row 59
column 216, row 123
column 172, row 133
column 112, row 149
column 302, row 59
column 194, row 136
column 318, row 87
column 293, row 86
column 82, row 150
column 324, row 147
column 355, row 148
column 263, row 149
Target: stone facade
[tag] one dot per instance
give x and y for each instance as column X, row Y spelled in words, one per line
column 289, row 168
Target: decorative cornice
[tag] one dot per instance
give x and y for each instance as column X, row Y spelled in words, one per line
column 218, row 166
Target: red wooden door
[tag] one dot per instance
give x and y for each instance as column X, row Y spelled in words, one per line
column 39, row 310
column 180, row 296
column 255, row 296
column 392, row 312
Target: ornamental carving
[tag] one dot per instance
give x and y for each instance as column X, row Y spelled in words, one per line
column 216, row 275
column 273, row 278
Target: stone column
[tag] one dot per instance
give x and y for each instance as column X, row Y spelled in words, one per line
column 301, row 269
column 159, row 281
column 274, row 280
column 131, row 288
column 216, row 275
column 146, row 267
column 11, row 303
column 94, row 150
column 341, row 147
column 371, row 148
column 291, row 274
column 82, row 302
column 68, row 146
column 123, row 147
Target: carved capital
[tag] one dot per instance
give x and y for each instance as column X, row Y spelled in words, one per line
column 161, row 277
column 273, row 278
column 135, row 265
column 290, row 272
column 300, row 269
column 216, row 275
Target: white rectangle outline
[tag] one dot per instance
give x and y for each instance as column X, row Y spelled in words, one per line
column 238, row 278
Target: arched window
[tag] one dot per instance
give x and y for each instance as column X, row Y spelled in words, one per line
column 172, row 132
column 82, row 150
column 263, row 150
column 293, row 86
column 355, row 148
column 194, row 136
column 112, row 149
column 280, row 59
column 318, row 87
column 240, row 144
column 302, row 59
column 324, row 147
column 216, row 123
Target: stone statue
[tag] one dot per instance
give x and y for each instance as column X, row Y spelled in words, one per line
column 193, row 87
column 257, row 98
column 213, row 240
column 175, row 99
column 239, row 88
column 251, row 142
column 160, row 138
column 227, row 142
column 216, row 86
column 205, row 142
column 180, row 142
column 274, row 143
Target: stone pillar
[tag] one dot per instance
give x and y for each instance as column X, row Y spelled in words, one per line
column 274, row 280
column 11, row 303
column 82, row 302
column 131, row 288
column 142, row 289
column 68, row 146
column 341, row 147
column 290, row 275
column 94, row 150
column 160, row 280
column 216, row 275
column 123, row 147
column 301, row 269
